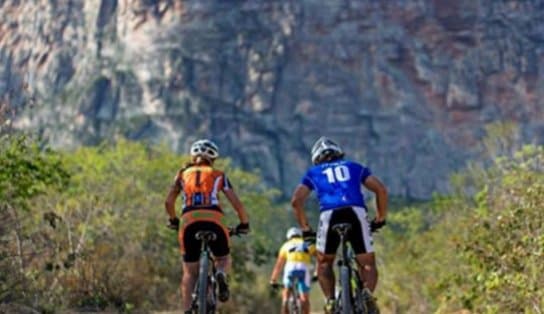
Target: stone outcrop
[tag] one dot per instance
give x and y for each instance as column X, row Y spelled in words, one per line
column 404, row 86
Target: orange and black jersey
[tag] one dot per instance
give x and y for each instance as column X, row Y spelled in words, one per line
column 200, row 185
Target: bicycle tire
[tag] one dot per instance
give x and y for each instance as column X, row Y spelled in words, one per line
column 359, row 302
column 212, row 291
column 203, row 284
column 297, row 307
column 292, row 306
column 370, row 310
column 346, row 288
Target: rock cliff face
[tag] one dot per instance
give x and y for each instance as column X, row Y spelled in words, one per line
column 405, row 86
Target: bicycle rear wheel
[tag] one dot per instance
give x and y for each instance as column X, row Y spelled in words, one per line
column 370, row 303
column 346, row 288
column 203, row 284
column 293, row 306
column 358, row 301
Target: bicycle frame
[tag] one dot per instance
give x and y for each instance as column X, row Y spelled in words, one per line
column 293, row 299
column 344, row 300
column 205, row 291
column 204, row 294
column 350, row 298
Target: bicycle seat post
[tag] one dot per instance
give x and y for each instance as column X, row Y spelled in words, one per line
column 205, row 237
column 342, row 229
column 202, row 291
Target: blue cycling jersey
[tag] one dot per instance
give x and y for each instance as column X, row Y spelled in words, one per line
column 337, row 183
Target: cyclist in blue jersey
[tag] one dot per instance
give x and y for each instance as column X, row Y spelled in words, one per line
column 337, row 183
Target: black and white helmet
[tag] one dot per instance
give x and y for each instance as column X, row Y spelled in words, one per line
column 205, row 148
column 324, row 149
column 293, row 232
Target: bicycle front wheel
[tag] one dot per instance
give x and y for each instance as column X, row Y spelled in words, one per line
column 203, row 284
column 346, row 288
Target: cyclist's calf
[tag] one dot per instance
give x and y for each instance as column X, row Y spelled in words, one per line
column 304, row 302
column 190, row 276
column 325, row 274
column 303, row 297
column 222, row 263
column 367, row 269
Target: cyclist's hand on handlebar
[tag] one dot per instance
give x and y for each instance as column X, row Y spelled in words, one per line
column 173, row 223
column 309, row 236
column 274, row 285
column 242, row 228
column 376, row 225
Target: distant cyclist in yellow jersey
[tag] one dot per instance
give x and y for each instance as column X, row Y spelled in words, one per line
column 295, row 257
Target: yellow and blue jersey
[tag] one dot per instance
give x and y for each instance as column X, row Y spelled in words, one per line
column 296, row 250
column 298, row 255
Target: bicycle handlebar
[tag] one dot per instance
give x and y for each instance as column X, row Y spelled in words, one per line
column 234, row 232
column 281, row 285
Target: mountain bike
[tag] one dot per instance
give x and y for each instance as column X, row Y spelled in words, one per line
column 351, row 297
column 204, row 297
column 293, row 301
column 294, row 305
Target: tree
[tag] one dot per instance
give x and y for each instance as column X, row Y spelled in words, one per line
column 27, row 171
column 504, row 243
column 479, row 248
column 101, row 241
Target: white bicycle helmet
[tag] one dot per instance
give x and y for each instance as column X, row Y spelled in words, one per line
column 205, row 148
column 325, row 148
column 293, row 232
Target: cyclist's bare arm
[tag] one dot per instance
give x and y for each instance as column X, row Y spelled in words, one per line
column 375, row 185
column 300, row 195
column 237, row 204
column 170, row 203
column 280, row 262
column 313, row 253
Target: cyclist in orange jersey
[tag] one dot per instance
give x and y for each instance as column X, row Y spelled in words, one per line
column 200, row 184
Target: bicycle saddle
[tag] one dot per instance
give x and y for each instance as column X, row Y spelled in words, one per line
column 206, row 235
column 342, row 228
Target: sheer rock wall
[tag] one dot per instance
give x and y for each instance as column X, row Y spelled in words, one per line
column 404, row 86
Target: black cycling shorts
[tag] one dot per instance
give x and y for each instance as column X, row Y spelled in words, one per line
column 219, row 247
column 359, row 235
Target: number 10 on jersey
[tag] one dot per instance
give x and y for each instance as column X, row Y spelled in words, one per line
column 337, row 174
